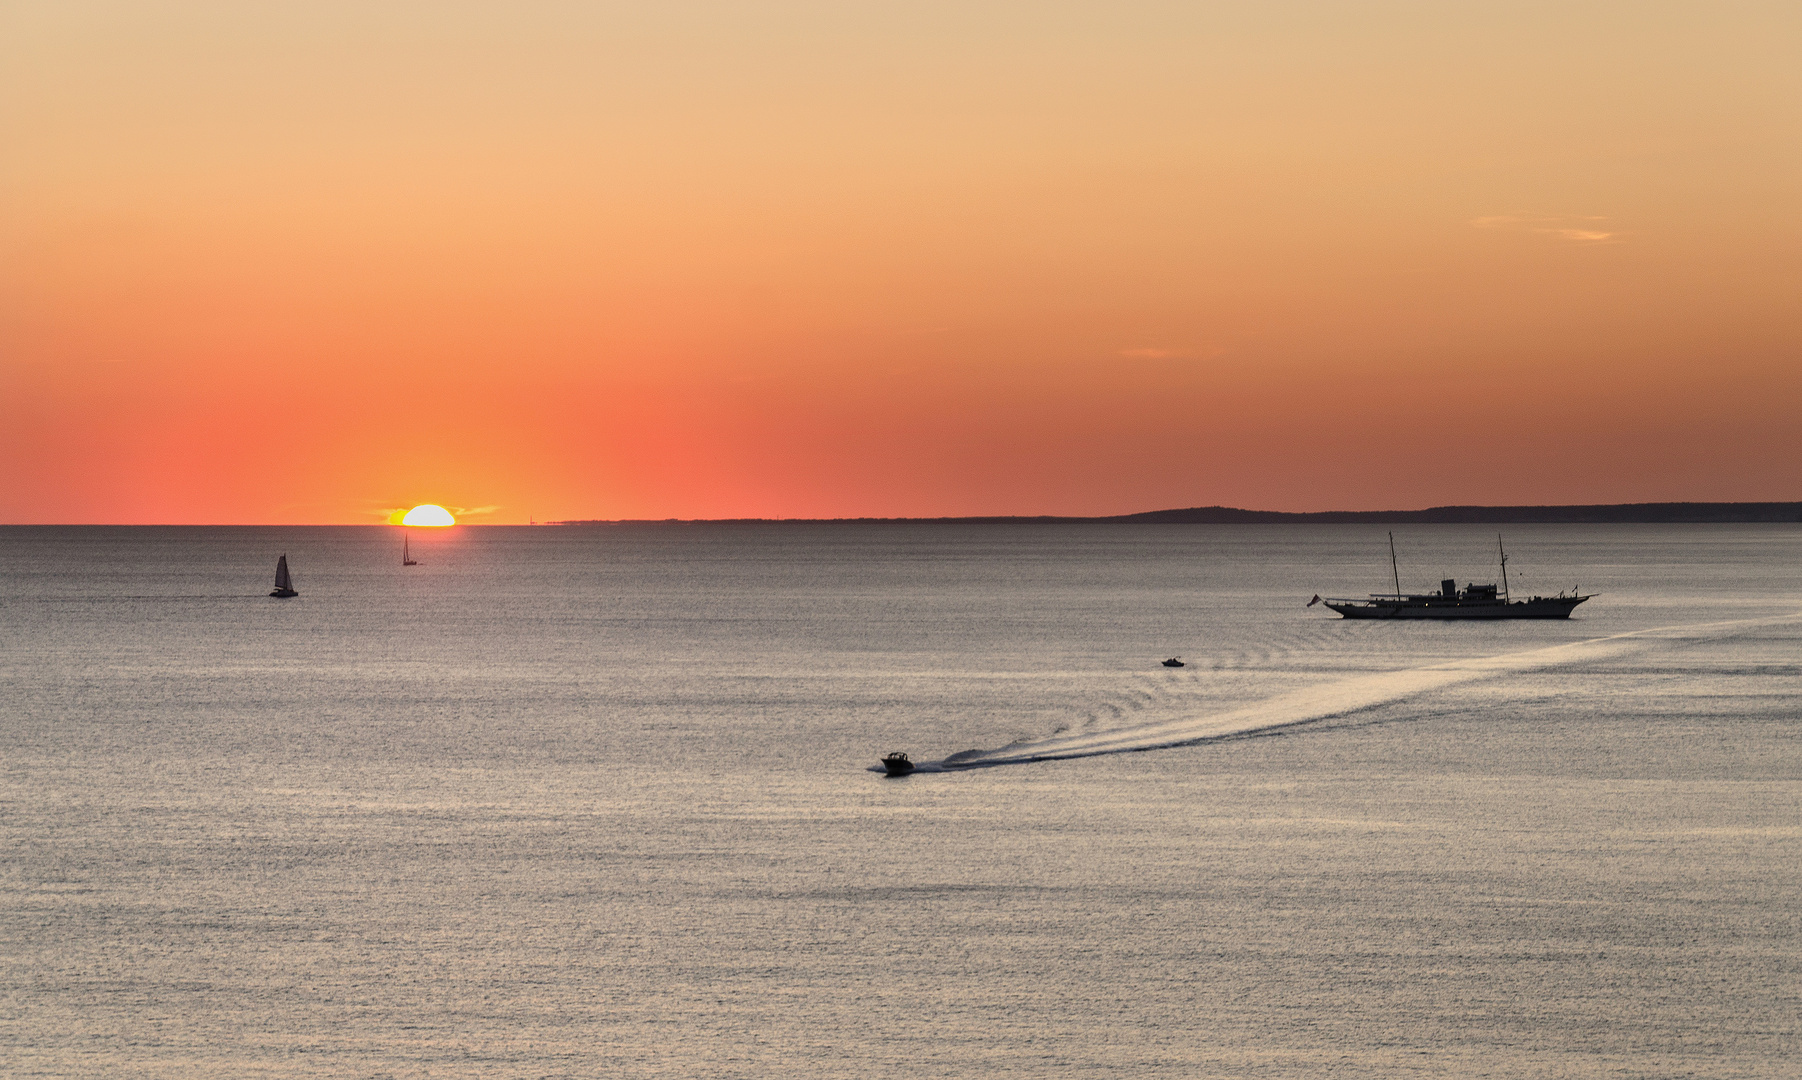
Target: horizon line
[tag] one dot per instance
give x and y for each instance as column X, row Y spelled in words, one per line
column 1552, row 513
column 1573, row 513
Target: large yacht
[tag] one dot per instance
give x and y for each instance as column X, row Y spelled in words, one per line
column 1450, row 602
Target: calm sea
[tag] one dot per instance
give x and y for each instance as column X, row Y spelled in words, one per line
column 581, row 802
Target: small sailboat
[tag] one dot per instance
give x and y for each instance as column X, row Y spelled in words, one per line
column 406, row 557
column 284, row 586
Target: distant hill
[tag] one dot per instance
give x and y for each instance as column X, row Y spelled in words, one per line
column 1608, row 513
column 1648, row 513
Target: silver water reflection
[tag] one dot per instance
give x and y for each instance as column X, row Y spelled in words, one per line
column 565, row 802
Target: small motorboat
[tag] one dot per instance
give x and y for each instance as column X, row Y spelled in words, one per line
column 1173, row 662
column 284, row 585
column 897, row 764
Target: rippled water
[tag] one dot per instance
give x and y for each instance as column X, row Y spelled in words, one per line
column 576, row 801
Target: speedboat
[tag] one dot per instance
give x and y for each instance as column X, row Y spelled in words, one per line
column 1173, row 662
column 897, row 764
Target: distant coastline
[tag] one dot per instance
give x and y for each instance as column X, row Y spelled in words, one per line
column 1605, row 513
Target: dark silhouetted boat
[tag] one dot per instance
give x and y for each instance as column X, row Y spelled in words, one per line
column 897, row 764
column 406, row 557
column 1450, row 602
column 1173, row 662
column 284, row 586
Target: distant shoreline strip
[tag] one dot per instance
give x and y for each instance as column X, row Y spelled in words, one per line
column 1600, row 514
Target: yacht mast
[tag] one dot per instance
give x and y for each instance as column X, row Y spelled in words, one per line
column 1504, row 554
column 1392, row 567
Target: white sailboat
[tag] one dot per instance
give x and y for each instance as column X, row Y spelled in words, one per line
column 284, row 586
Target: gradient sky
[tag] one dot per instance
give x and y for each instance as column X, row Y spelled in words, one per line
column 308, row 262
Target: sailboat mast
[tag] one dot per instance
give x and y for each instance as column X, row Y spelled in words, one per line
column 1392, row 567
column 1504, row 554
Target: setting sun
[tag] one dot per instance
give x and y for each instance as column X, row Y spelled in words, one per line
column 428, row 514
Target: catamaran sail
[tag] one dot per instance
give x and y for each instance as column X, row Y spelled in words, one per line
column 283, row 586
column 406, row 557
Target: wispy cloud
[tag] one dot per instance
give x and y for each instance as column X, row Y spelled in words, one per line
column 1582, row 234
column 1576, row 228
column 472, row 511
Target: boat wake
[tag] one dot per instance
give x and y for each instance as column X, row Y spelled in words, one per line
column 1325, row 701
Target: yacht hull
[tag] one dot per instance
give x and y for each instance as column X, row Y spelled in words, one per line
column 1544, row 608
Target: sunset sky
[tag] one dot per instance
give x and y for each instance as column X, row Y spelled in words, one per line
column 310, row 262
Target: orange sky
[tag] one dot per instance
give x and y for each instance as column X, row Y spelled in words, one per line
column 307, row 262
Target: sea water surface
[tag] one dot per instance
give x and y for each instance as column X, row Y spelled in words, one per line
column 585, row 801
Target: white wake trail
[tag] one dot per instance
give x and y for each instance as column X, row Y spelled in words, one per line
column 1316, row 703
